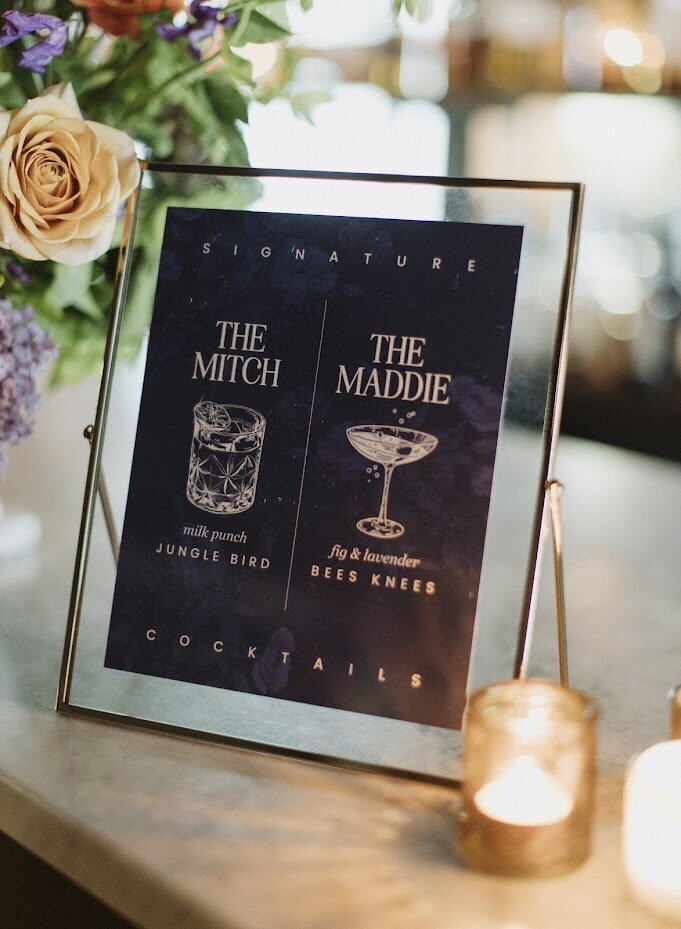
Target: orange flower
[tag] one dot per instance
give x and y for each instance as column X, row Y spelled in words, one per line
column 122, row 17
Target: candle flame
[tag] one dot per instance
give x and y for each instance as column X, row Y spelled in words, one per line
column 524, row 795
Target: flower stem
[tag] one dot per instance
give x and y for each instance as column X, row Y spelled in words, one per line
column 124, row 70
column 157, row 92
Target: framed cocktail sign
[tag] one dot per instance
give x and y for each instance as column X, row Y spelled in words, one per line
column 326, row 422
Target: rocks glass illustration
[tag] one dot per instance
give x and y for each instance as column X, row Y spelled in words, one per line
column 390, row 446
column 225, row 457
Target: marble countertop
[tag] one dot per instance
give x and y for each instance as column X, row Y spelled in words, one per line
column 172, row 832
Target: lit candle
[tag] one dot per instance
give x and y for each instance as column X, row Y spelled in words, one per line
column 528, row 773
column 524, row 795
column 652, row 828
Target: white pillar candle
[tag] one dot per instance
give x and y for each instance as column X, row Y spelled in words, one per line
column 652, row 828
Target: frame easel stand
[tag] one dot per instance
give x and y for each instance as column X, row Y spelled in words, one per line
column 105, row 500
column 554, row 490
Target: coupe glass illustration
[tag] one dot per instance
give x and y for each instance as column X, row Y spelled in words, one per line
column 390, row 446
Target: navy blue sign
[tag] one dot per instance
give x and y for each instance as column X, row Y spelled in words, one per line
column 314, row 456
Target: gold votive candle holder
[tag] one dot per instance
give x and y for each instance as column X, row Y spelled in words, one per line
column 651, row 830
column 675, row 712
column 528, row 778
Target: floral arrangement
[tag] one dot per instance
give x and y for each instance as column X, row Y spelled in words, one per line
column 85, row 88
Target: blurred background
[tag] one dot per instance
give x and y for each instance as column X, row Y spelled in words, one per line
column 527, row 89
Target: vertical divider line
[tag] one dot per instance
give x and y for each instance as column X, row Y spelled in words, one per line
column 307, row 446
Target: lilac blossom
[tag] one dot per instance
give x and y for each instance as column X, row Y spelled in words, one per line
column 52, row 31
column 18, row 272
column 24, row 350
column 202, row 21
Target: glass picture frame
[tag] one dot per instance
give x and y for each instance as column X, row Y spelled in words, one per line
column 231, row 408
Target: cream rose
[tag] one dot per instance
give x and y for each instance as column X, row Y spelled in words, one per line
column 62, row 179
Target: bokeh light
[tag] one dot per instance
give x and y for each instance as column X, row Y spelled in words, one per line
column 624, row 47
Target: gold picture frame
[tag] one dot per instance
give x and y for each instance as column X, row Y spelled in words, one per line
column 460, row 200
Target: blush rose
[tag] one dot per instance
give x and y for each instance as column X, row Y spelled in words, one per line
column 62, row 179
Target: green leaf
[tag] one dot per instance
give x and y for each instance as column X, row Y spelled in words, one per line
column 236, row 151
column 276, row 11
column 157, row 135
column 419, row 9
column 242, row 23
column 238, row 67
column 71, row 287
column 227, row 101
column 304, row 103
column 97, row 79
column 259, row 29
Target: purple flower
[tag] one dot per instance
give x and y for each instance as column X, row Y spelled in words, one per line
column 18, row 272
column 202, row 21
column 52, row 31
column 24, row 350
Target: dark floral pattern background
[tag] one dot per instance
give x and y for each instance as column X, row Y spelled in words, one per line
column 257, row 615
